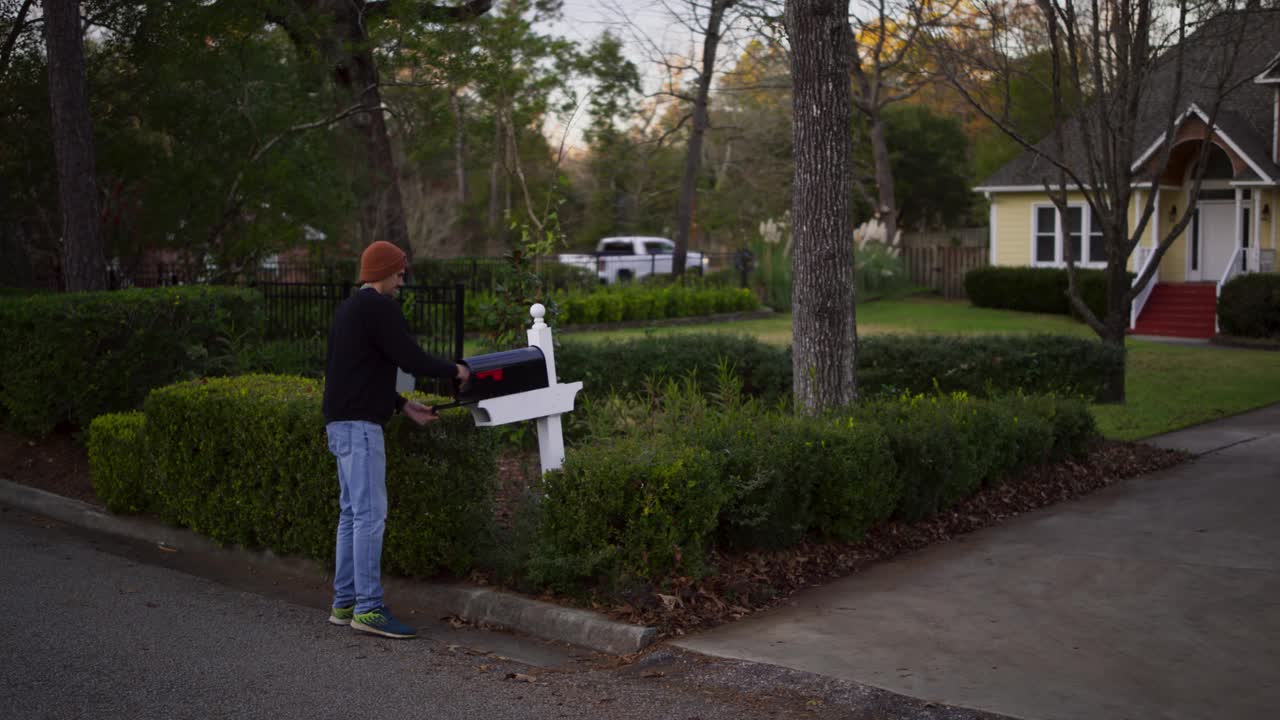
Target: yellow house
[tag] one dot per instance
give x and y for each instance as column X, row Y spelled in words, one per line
column 1233, row 229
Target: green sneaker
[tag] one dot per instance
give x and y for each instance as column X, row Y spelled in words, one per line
column 341, row 615
column 380, row 622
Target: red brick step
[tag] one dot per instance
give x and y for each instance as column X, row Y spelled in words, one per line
column 1179, row 310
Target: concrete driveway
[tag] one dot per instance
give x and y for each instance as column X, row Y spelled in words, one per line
column 1155, row 598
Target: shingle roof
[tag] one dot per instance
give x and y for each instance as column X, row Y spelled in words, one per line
column 1247, row 111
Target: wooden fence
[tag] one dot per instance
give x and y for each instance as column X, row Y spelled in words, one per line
column 943, row 267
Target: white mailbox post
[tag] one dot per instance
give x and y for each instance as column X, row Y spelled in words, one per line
column 544, row 405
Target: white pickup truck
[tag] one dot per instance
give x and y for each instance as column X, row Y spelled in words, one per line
column 621, row 259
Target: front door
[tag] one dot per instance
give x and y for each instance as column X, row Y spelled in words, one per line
column 1212, row 241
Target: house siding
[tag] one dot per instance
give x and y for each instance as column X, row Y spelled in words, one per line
column 1013, row 228
column 1014, row 224
column 1013, row 215
column 1174, row 266
column 1267, row 229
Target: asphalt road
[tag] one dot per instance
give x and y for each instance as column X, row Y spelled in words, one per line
column 98, row 627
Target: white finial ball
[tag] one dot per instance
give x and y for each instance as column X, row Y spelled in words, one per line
column 538, row 311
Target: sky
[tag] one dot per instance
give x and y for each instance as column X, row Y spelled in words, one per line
column 647, row 29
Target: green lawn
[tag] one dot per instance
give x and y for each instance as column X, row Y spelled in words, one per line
column 1169, row 386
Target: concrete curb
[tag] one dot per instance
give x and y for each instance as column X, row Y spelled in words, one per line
column 473, row 604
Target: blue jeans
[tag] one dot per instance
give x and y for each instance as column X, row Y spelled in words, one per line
column 362, row 475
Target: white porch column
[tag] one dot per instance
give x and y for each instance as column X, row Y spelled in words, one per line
column 1133, row 223
column 1238, row 225
column 1255, row 236
column 1155, row 218
column 991, row 231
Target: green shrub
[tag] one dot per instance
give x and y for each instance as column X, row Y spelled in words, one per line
column 771, row 266
column 947, row 447
column 1072, row 427
column 627, row 511
column 858, row 484
column 70, row 357
column 877, row 271
column 485, row 274
column 118, row 461
column 568, row 277
column 285, row 357
column 1042, row 290
column 650, row 301
column 778, row 478
column 628, row 366
column 980, row 365
column 1250, row 306
column 244, row 460
column 791, row 476
column 984, row 364
column 775, row 478
column 611, row 306
column 936, row 454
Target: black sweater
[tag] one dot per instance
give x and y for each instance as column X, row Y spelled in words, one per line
column 369, row 339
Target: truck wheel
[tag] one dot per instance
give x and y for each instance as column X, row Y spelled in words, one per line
column 624, row 276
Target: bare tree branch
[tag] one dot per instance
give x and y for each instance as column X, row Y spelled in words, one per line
column 20, row 25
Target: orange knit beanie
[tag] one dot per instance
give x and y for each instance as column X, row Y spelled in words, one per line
column 380, row 260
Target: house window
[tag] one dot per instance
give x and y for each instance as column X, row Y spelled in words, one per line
column 1046, row 235
column 1075, row 228
column 1053, row 240
column 1097, row 248
column 1244, row 237
column 1195, row 240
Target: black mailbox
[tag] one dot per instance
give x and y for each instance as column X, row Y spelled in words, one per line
column 505, row 373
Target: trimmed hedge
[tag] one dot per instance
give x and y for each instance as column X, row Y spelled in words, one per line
column 631, row 303
column 663, row 479
column 1250, row 306
column 796, row 475
column 69, row 357
column 985, row 364
column 650, row 302
column 629, row 366
column 1030, row 289
column 627, row 510
column 245, row 460
column 118, row 460
column 887, row 364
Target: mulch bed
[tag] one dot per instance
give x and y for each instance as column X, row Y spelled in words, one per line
column 57, row 463
column 743, row 583
column 752, row 582
column 747, row 583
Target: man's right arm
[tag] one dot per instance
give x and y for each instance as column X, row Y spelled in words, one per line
column 398, row 344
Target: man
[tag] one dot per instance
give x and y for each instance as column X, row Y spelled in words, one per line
column 369, row 339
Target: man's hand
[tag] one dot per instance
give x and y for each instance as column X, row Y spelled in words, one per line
column 464, row 378
column 419, row 413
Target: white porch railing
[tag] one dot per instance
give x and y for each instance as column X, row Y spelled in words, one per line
column 1140, row 300
column 1234, row 268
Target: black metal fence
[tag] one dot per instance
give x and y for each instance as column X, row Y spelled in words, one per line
column 478, row 274
column 483, row 274
column 302, row 312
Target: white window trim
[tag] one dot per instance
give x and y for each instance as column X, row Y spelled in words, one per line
column 1059, row 245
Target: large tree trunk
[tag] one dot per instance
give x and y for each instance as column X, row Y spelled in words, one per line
column 459, row 145
column 1116, row 330
column 381, row 204
column 337, row 29
column 496, row 171
column 84, row 266
column 825, row 333
column 887, row 205
column 693, row 153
